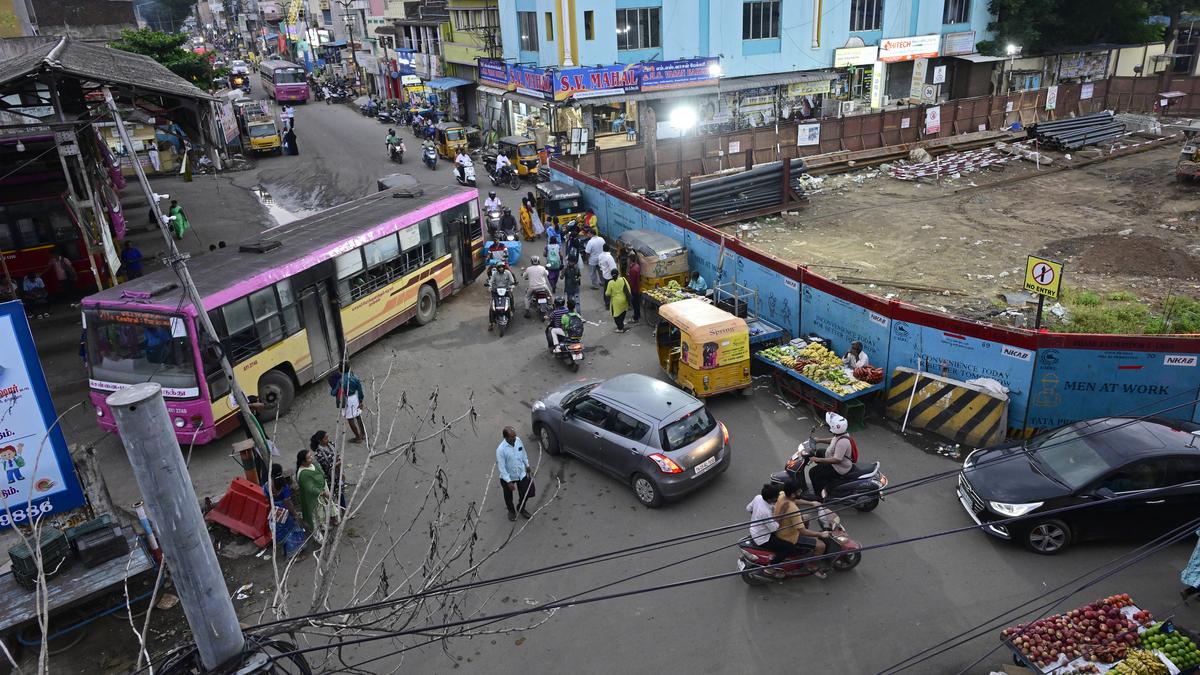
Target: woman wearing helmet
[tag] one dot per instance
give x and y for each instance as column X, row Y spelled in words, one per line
column 837, row 460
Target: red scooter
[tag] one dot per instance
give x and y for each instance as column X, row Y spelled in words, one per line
column 753, row 561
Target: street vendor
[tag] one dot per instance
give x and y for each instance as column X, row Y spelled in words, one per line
column 856, row 357
column 697, row 284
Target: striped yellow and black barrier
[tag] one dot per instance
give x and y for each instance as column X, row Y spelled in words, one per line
column 961, row 412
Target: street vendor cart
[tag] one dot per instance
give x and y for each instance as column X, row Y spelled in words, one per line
column 810, row 372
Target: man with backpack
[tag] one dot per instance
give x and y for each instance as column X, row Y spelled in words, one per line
column 572, row 279
column 563, row 323
column 839, row 456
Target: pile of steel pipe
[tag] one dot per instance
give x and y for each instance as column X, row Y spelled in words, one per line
column 1075, row 132
column 753, row 190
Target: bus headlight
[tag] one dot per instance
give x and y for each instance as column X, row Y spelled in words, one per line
column 99, row 412
column 179, row 422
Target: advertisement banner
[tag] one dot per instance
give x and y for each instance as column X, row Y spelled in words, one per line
column 39, row 477
column 841, row 322
column 797, row 89
column 909, row 48
column 855, row 56
column 229, row 125
column 808, row 134
column 1075, row 384
column 958, row 43
column 531, row 81
column 919, row 74
column 586, row 82
column 658, row 75
column 494, row 72
column 1052, row 97
column 964, row 358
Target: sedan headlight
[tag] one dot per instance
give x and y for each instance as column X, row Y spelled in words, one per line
column 1013, row 510
column 539, row 405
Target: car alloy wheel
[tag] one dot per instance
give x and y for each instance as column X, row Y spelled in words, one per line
column 1048, row 537
column 646, row 491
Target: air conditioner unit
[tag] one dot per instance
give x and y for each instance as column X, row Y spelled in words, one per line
column 848, row 107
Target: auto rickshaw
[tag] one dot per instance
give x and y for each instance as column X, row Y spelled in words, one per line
column 704, row 349
column 449, row 138
column 558, row 203
column 663, row 259
column 522, row 152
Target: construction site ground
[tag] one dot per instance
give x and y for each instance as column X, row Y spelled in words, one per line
column 1124, row 227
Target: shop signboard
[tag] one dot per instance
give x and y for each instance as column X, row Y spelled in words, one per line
column 531, row 81
column 659, row 75
column 39, row 477
column 919, row 75
column 892, row 50
column 958, row 43
column 855, row 56
column 494, row 72
column 586, row 82
column 797, row 89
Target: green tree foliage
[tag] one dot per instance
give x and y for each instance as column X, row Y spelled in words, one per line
column 1039, row 26
column 168, row 49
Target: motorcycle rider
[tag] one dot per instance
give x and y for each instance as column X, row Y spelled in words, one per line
column 793, row 526
column 394, row 142
column 461, row 161
column 500, row 277
column 508, row 224
column 836, row 462
column 539, row 280
column 492, row 203
column 502, row 161
column 554, row 328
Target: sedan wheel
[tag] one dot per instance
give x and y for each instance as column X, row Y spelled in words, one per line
column 547, row 440
column 1048, row 537
column 646, row 491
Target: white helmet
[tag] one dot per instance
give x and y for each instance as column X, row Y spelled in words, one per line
column 535, row 260
column 837, row 423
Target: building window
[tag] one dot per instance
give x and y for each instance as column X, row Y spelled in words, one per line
column 866, row 14
column 638, row 28
column 549, row 27
column 760, row 19
column 956, row 11
column 529, row 29
column 327, row 16
column 589, row 25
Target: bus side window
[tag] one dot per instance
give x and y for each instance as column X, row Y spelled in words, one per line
column 267, row 322
column 6, row 237
column 439, row 238
column 348, row 266
column 239, row 322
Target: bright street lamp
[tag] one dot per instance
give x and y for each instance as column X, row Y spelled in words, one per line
column 714, row 70
column 683, row 118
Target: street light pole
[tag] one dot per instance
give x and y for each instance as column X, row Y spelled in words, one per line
column 348, row 17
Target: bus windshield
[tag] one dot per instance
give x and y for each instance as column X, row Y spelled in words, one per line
column 128, row 347
column 289, row 76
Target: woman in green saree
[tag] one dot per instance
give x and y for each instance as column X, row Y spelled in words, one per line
column 315, row 504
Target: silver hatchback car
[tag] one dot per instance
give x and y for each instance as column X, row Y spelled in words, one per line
column 652, row 436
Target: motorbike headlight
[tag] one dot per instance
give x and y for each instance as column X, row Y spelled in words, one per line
column 538, row 406
column 1013, row 510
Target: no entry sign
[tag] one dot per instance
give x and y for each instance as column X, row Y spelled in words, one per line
column 1043, row 276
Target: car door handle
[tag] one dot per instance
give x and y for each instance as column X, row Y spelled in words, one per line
column 596, row 434
column 634, row 450
column 1157, row 501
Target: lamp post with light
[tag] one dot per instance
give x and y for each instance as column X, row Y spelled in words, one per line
column 1011, row 50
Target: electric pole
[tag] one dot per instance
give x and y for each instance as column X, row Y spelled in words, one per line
column 178, row 262
column 145, row 429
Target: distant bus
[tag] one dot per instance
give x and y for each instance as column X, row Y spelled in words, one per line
column 283, row 80
column 287, row 305
column 30, row 231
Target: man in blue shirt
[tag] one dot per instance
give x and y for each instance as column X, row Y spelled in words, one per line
column 513, row 465
column 698, row 284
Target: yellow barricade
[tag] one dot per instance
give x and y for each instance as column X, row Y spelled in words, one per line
column 964, row 413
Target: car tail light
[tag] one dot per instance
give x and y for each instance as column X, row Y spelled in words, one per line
column 724, row 433
column 666, row 464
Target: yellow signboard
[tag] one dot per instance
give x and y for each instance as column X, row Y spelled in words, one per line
column 1043, row 276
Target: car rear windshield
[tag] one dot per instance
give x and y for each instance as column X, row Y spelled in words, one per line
column 1071, row 456
column 687, row 429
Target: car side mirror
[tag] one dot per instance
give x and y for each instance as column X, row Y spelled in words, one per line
column 1105, row 493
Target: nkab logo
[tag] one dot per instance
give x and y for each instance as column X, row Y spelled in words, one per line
column 1178, row 360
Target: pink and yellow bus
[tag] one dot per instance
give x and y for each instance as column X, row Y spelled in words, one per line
column 288, row 305
column 283, row 80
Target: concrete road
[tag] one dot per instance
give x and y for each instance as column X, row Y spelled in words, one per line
column 898, row 601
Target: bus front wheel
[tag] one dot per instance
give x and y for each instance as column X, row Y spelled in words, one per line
column 276, row 391
column 427, row 302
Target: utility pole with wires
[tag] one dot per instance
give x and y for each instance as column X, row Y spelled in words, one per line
column 178, row 262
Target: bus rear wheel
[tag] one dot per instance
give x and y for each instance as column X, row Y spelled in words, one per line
column 276, row 391
column 427, row 302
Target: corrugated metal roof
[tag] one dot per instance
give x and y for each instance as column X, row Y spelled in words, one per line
column 101, row 64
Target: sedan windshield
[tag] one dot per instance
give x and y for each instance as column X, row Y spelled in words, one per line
column 1070, row 456
column 687, row 429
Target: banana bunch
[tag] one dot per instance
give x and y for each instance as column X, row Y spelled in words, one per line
column 820, row 354
column 1140, row 662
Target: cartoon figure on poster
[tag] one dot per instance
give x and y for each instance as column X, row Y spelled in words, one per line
column 10, row 457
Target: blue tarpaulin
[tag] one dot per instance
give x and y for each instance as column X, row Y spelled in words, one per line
column 448, row 83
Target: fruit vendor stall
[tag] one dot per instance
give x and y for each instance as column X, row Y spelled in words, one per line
column 1111, row 635
column 811, row 372
column 654, row 298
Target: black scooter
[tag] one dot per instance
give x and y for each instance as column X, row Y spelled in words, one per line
column 502, row 300
column 861, row 487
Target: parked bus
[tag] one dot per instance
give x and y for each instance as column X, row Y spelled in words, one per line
column 287, row 305
column 283, row 81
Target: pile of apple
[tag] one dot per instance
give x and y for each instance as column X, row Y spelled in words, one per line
column 1097, row 632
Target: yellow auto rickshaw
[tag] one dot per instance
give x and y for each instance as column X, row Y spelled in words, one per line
column 522, row 152
column 449, row 138
column 704, row 349
column 662, row 258
column 558, row 203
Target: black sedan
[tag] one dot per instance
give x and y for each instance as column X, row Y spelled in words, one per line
column 1092, row 462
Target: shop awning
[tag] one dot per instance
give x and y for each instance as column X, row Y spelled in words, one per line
column 443, row 83
column 529, row 100
column 337, row 44
column 979, row 58
column 385, row 30
column 494, row 91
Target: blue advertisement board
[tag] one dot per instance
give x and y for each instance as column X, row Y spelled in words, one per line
column 962, row 357
column 1074, row 384
column 531, row 81
column 699, row 72
column 39, row 478
column 841, row 322
column 494, row 72
column 596, row 81
column 778, row 296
